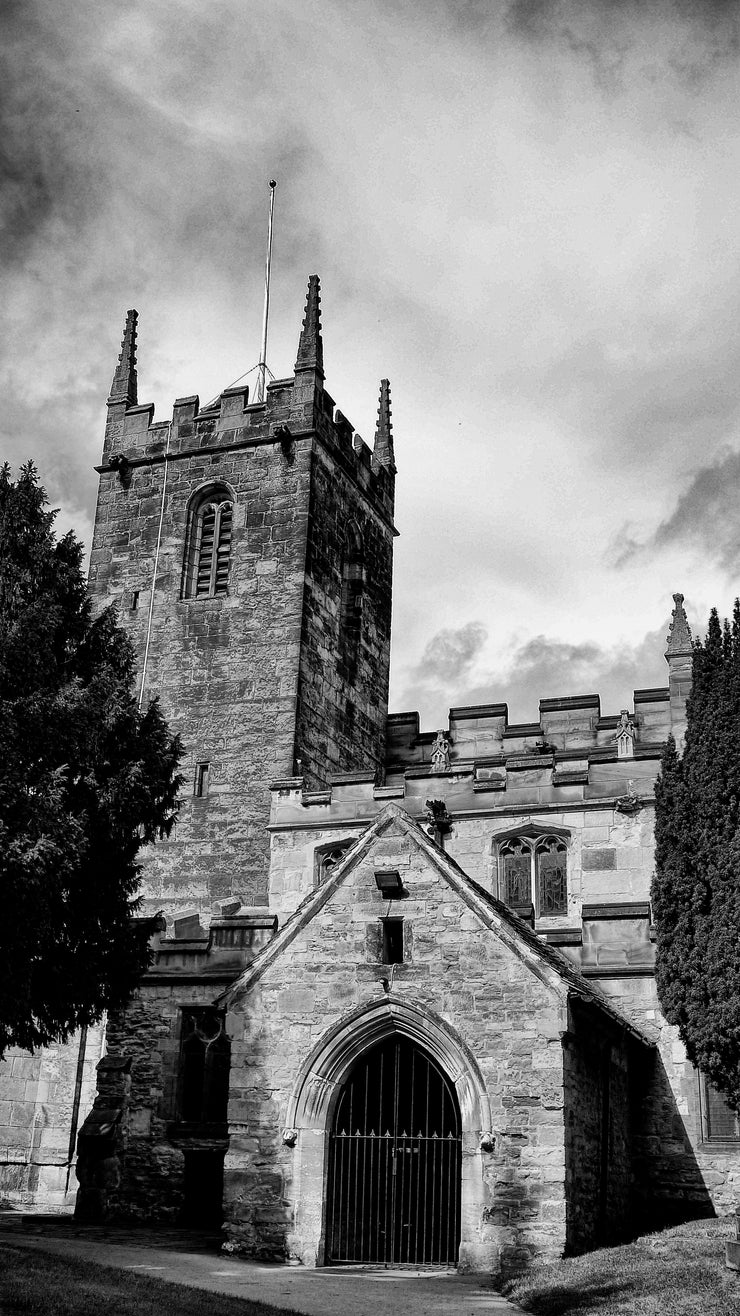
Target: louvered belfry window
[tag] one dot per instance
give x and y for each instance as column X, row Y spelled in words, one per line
column 209, row 553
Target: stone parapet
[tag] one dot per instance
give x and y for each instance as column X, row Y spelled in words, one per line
column 572, row 726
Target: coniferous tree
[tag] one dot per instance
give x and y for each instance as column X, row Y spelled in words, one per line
column 696, row 888
column 86, row 780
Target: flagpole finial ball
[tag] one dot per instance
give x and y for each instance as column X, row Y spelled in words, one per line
column 273, row 183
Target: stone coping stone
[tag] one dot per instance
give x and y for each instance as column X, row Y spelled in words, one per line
column 474, row 712
column 569, row 702
column 561, row 936
column 624, row 909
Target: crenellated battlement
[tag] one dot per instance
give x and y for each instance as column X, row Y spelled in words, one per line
column 571, row 727
column 296, row 410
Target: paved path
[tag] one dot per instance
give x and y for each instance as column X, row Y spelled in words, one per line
column 187, row 1258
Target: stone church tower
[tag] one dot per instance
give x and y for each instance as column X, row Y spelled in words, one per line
column 248, row 548
column 402, row 1005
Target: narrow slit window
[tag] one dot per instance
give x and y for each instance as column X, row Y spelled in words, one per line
column 392, row 940
column 202, row 775
column 134, row 600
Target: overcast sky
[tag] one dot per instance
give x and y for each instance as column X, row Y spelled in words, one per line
column 525, row 214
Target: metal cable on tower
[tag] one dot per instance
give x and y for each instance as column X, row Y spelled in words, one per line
column 262, row 367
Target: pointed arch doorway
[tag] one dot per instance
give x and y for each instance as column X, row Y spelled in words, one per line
column 394, row 1164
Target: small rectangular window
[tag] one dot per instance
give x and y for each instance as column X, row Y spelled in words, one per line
column 392, row 940
column 134, row 600
column 202, row 774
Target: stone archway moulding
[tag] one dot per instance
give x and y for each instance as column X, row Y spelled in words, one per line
column 326, row 1068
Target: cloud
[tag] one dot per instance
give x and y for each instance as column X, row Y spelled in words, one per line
column 449, row 655
column 523, row 222
column 706, row 514
column 537, row 668
column 685, row 38
column 704, row 519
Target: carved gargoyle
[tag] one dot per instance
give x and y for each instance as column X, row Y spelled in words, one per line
column 438, row 819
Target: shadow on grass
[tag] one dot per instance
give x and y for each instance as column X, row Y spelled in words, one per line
column 680, row 1270
column 36, row 1283
column 559, row 1299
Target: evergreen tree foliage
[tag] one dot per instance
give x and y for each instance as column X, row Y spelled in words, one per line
column 696, row 888
column 86, row 780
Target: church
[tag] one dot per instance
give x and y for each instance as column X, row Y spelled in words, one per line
column 402, row 1006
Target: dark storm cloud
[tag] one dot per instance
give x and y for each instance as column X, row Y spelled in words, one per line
column 450, row 654
column 539, row 668
column 136, row 139
column 603, row 33
column 118, row 187
column 38, row 175
column 706, row 514
column 50, row 436
column 704, row 520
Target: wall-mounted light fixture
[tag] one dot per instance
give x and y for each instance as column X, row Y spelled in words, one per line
column 389, row 884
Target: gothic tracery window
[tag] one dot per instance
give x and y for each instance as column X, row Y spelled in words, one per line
column 533, row 875
column 327, row 858
column 205, row 1053
column 208, row 551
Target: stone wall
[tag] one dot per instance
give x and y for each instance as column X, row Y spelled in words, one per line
column 597, row 1151
column 155, row 1146
column 255, row 680
column 458, row 975
column 679, row 1173
column 345, row 661
column 43, row 1099
column 609, row 853
column 226, row 668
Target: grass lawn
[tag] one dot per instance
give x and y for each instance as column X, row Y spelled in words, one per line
column 41, row 1284
column 680, row 1272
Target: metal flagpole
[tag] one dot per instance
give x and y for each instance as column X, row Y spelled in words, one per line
column 262, row 367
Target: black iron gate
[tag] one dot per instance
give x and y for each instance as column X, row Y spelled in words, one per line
column 393, row 1193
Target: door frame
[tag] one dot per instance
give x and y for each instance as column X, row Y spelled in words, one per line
column 310, row 1114
column 361, row 1164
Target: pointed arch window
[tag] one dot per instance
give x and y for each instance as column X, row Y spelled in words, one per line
column 208, row 553
column 205, row 1055
column 532, row 874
